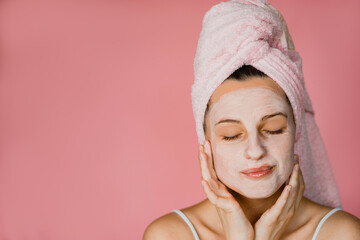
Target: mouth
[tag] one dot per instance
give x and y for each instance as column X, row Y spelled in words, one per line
column 260, row 172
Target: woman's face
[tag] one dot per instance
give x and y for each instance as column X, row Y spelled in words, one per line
column 252, row 131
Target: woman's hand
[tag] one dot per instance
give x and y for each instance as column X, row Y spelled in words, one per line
column 275, row 220
column 235, row 224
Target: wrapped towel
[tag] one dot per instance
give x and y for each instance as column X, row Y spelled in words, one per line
column 253, row 32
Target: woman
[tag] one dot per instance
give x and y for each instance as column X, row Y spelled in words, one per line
column 255, row 126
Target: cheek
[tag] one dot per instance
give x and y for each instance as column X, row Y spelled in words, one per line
column 227, row 158
column 281, row 149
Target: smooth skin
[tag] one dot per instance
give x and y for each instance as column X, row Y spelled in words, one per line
column 233, row 219
column 226, row 214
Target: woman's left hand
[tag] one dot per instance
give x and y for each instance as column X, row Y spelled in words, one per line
column 274, row 221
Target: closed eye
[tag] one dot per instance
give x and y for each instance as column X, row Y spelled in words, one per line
column 280, row 131
column 274, row 132
column 231, row 138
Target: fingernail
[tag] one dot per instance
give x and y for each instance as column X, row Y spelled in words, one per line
column 296, row 157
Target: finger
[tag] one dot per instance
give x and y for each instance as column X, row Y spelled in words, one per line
column 286, row 202
column 218, row 190
column 301, row 188
column 218, row 201
column 280, row 203
column 298, row 182
column 302, row 182
column 296, row 158
column 294, row 176
column 294, row 183
column 273, row 213
column 210, row 166
column 205, row 174
column 200, row 147
column 208, row 153
column 215, row 185
column 297, row 190
column 213, row 181
column 301, row 179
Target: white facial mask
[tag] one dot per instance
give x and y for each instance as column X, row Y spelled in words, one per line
column 255, row 146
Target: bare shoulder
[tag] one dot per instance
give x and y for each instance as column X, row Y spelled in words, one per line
column 169, row 226
column 340, row 225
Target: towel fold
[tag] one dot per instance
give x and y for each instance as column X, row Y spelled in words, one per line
column 253, row 32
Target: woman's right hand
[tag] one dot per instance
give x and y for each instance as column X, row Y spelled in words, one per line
column 235, row 224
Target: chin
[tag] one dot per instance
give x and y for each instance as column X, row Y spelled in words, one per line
column 258, row 192
column 258, row 189
column 257, row 195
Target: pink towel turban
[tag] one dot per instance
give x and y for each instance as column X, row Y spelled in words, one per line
column 253, row 32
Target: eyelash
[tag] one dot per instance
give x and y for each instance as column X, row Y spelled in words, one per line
column 275, row 132
column 268, row 132
column 230, row 138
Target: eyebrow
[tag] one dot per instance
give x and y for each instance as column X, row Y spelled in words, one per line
column 262, row 119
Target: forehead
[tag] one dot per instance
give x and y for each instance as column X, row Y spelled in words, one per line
column 233, row 85
column 249, row 103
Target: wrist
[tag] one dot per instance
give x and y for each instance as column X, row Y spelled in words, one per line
column 240, row 235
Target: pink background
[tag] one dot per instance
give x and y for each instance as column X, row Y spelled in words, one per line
column 97, row 136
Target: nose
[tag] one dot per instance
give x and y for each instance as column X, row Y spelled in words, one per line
column 254, row 150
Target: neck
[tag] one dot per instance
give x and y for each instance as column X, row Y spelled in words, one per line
column 254, row 208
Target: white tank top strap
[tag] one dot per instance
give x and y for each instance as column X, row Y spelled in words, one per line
column 323, row 220
column 188, row 222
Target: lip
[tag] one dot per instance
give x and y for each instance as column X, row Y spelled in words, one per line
column 259, row 172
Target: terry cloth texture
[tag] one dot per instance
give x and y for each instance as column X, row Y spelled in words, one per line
column 253, row 32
